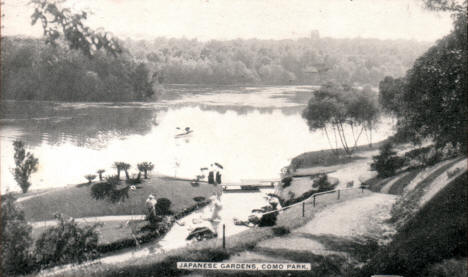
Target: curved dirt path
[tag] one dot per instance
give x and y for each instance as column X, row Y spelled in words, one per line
column 352, row 219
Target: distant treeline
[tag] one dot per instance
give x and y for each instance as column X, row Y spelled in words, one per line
column 32, row 70
column 311, row 60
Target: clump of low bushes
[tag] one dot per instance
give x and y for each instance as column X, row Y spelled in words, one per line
column 62, row 244
column 108, row 190
column 387, row 162
column 66, row 243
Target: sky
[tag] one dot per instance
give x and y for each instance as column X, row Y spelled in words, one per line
column 232, row 19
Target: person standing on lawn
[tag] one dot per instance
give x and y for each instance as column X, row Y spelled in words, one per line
column 215, row 208
column 218, row 175
column 150, row 205
column 211, row 176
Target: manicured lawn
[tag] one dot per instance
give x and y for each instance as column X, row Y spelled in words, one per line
column 165, row 264
column 77, row 201
column 329, row 157
column 109, row 232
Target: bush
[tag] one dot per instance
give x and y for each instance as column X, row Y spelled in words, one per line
column 15, row 234
column 387, row 162
column 448, row 268
column 135, row 179
column 280, row 230
column 321, row 182
column 108, row 190
column 286, row 181
column 100, row 191
column 163, row 206
column 425, row 156
column 66, row 243
column 199, row 199
column 25, row 163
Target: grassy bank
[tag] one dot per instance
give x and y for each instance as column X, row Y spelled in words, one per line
column 435, row 234
column 165, row 264
column 76, row 201
column 330, row 157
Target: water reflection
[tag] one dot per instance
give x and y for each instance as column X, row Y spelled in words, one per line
column 84, row 126
column 72, row 140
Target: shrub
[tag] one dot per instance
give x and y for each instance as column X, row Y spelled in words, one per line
column 163, row 206
column 199, row 199
column 15, row 234
column 286, row 181
column 108, row 190
column 424, row 156
column 135, row 179
column 280, row 230
column 448, row 268
column 321, row 182
column 100, row 191
column 25, row 163
column 66, row 243
column 387, row 162
column 402, row 210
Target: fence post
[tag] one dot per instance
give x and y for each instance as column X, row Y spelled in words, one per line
column 314, row 200
column 303, row 209
column 338, row 194
column 224, row 236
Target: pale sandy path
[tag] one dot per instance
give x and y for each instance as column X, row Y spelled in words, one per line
column 354, row 218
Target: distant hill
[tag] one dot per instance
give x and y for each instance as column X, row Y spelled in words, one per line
column 311, row 60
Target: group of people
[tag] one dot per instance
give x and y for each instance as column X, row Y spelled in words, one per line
column 265, row 216
column 214, row 175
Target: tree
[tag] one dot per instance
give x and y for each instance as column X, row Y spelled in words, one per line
column 456, row 6
column 125, row 168
column 90, row 177
column 16, row 239
column 387, row 162
column 25, row 163
column 60, row 22
column 142, row 82
column 333, row 107
column 431, row 99
column 145, row 167
column 99, row 172
column 390, row 94
column 119, row 166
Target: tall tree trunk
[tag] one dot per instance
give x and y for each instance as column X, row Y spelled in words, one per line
column 126, row 174
column 146, row 174
column 118, row 174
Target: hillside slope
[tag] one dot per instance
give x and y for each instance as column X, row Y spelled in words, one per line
column 436, row 233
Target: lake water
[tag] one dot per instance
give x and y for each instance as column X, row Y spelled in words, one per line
column 252, row 131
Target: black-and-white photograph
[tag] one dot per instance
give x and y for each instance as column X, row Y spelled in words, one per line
column 234, row 138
